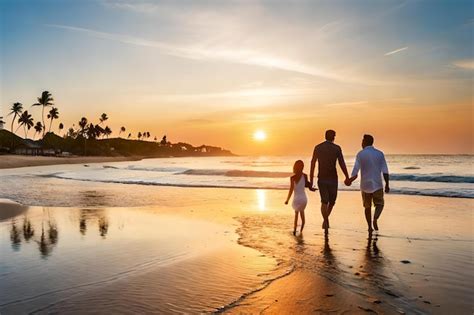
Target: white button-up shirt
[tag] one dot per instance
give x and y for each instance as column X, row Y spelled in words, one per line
column 371, row 163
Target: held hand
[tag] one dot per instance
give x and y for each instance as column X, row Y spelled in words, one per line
column 387, row 189
column 347, row 182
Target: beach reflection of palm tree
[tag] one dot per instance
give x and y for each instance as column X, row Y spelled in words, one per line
column 82, row 224
column 28, row 230
column 103, row 226
column 15, row 236
column 49, row 238
column 52, row 232
column 44, row 246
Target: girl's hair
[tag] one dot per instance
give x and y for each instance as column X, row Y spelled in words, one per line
column 298, row 167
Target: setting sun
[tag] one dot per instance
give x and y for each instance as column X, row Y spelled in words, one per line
column 260, row 135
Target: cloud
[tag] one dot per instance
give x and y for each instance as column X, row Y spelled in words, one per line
column 221, row 53
column 396, row 51
column 464, row 64
column 352, row 103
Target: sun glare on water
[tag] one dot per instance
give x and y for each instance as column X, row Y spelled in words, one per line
column 260, row 135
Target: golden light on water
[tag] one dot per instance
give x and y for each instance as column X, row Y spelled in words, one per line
column 260, row 135
column 261, row 199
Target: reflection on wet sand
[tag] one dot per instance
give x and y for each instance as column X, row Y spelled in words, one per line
column 164, row 270
column 28, row 231
column 49, row 236
column 98, row 215
column 15, row 236
column 330, row 266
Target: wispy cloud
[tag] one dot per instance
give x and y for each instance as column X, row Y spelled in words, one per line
column 396, row 51
column 227, row 54
column 351, row 103
column 465, row 64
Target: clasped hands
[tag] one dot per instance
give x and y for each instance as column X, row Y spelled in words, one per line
column 348, row 181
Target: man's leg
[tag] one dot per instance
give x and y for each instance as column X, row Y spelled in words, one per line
column 379, row 204
column 332, row 192
column 368, row 217
column 324, row 211
column 367, row 201
column 324, row 193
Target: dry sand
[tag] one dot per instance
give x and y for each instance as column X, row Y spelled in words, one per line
column 15, row 161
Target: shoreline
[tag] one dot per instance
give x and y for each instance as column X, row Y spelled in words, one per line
column 19, row 161
column 9, row 161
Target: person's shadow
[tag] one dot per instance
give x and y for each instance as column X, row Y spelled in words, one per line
column 373, row 259
column 330, row 263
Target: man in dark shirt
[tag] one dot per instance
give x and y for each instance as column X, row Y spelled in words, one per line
column 327, row 153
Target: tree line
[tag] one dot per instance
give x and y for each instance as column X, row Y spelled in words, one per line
column 86, row 129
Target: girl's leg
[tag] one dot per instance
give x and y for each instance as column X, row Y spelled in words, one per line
column 296, row 223
column 302, row 220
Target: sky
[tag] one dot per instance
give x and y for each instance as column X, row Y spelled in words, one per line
column 215, row 72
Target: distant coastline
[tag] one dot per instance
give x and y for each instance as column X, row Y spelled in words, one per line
column 53, row 149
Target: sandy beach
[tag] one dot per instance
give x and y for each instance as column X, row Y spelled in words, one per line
column 16, row 161
column 231, row 250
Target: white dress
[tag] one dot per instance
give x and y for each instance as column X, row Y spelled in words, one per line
column 299, row 198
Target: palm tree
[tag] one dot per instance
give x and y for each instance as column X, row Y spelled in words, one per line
column 45, row 100
column 164, row 141
column 103, row 118
column 129, row 135
column 2, row 122
column 26, row 121
column 16, row 110
column 53, row 114
column 122, row 129
column 71, row 133
column 38, row 128
column 61, row 127
column 107, row 131
column 99, row 131
column 139, row 135
column 92, row 131
column 83, row 125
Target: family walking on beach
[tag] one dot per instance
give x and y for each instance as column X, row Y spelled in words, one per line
column 369, row 161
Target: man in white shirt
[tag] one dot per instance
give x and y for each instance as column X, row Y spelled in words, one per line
column 371, row 163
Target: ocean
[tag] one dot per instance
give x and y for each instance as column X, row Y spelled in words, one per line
column 429, row 175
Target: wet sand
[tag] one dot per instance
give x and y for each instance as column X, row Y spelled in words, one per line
column 244, row 258
column 10, row 209
column 16, row 161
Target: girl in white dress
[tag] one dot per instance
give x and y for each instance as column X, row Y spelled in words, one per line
column 298, row 183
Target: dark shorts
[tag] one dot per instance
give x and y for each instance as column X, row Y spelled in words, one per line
column 328, row 191
column 376, row 197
